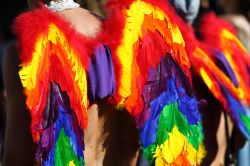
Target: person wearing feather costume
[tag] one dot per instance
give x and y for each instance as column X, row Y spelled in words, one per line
column 96, row 89
column 218, row 76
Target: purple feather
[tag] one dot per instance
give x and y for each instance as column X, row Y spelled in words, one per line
column 59, row 115
column 101, row 78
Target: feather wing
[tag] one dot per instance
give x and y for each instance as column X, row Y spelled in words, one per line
column 153, row 82
column 53, row 74
column 227, row 75
column 223, row 64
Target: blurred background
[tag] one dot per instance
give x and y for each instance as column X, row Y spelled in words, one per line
column 8, row 11
column 237, row 12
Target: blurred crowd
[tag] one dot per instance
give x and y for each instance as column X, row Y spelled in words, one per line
column 237, row 12
column 8, row 11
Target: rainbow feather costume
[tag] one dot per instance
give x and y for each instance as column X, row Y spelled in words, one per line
column 139, row 62
column 153, row 82
column 222, row 62
column 231, row 86
column 55, row 63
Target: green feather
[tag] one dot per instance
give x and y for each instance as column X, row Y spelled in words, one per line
column 246, row 121
column 147, row 152
column 163, row 124
column 64, row 152
column 170, row 117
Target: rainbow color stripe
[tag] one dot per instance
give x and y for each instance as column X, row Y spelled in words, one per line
column 57, row 125
column 223, row 64
column 177, row 141
column 149, row 38
column 61, row 141
column 229, row 82
column 231, row 90
column 142, row 17
column 173, row 132
column 53, row 54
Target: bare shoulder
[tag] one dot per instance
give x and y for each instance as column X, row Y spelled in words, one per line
column 18, row 148
column 83, row 21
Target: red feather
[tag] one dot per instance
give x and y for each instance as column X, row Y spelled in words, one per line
column 29, row 25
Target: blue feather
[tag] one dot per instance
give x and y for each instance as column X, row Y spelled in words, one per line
column 66, row 120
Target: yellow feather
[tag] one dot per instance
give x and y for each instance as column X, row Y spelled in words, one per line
column 132, row 33
column 206, row 78
column 29, row 72
column 71, row 163
column 174, row 146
